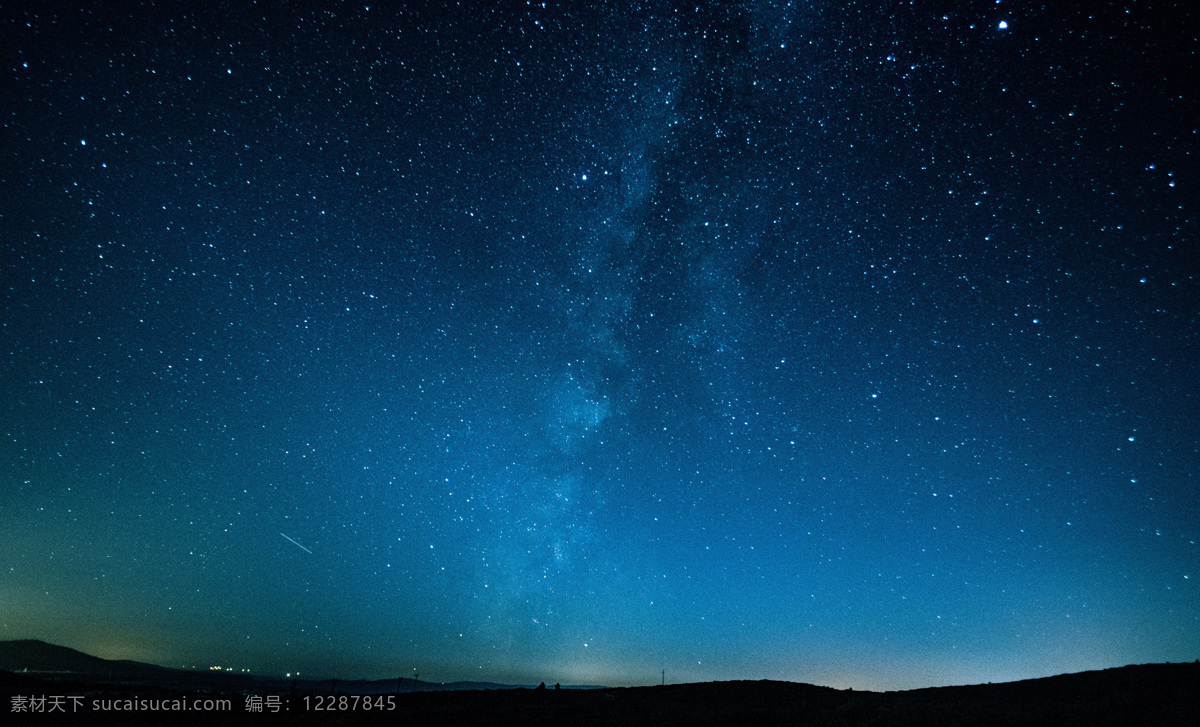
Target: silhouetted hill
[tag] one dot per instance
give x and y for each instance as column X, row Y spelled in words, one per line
column 39, row 656
column 1155, row 694
column 1150, row 694
column 60, row 663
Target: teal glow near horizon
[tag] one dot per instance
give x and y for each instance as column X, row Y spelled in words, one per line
column 852, row 346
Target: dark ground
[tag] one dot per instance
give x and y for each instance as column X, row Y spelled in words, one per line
column 1154, row 694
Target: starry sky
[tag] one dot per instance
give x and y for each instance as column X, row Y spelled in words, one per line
column 844, row 343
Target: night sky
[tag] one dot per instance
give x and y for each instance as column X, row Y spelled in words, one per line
column 853, row 344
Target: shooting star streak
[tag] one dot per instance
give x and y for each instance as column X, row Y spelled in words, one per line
column 298, row 545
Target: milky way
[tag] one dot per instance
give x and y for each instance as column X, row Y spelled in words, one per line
column 798, row 341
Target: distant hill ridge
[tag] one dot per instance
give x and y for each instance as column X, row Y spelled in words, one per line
column 37, row 655
column 1163, row 695
column 44, row 658
column 51, row 659
column 41, row 657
